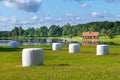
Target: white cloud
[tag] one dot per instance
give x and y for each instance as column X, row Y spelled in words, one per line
column 28, row 20
column 27, row 5
column 77, row 18
column 118, row 15
column 58, row 19
column 34, row 18
column 103, row 14
column 47, row 18
column 69, row 15
column 3, row 25
column 108, row 1
column 24, row 22
column 112, row 1
column 84, row 5
column 3, row 19
column 14, row 20
column 94, row 14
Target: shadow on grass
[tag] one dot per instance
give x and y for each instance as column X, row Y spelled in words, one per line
column 47, row 49
column 7, row 49
column 57, row 65
column 115, row 54
column 110, row 43
column 86, row 52
column 57, row 50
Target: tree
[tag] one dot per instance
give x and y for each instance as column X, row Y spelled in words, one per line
column 66, row 29
column 55, row 31
column 110, row 34
column 103, row 32
column 42, row 31
column 5, row 33
column 15, row 31
column 116, row 28
column 30, row 32
column 20, row 31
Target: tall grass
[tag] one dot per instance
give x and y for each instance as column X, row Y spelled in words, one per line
column 60, row 65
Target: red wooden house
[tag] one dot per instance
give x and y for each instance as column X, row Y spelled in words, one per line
column 89, row 38
column 90, row 35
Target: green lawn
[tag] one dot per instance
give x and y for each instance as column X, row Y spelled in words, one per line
column 60, row 65
column 102, row 39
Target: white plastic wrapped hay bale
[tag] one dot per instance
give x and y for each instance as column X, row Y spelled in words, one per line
column 32, row 57
column 74, row 47
column 102, row 49
column 14, row 44
column 56, row 46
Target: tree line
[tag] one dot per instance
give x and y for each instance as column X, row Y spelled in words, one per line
column 105, row 28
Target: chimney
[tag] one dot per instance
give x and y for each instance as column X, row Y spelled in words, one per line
column 88, row 32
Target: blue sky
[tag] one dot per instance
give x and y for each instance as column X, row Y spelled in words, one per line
column 36, row 13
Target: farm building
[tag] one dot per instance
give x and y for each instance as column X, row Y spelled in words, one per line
column 89, row 38
column 90, row 35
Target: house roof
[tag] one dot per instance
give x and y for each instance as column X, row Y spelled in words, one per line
column 90, row 34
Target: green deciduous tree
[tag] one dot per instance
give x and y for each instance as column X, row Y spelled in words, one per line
column 42, row 31
column 55, row 31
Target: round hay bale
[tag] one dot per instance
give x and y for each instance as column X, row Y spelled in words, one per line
column 32, row 57
column 102, row 49
column 56, row 46
column 74, row 47
column 14, row 44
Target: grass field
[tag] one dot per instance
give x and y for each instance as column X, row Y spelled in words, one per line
column 102, row 39
column 60, row 65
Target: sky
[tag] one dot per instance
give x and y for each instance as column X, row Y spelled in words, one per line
column 37, row 13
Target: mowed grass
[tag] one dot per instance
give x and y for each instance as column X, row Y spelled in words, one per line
column 60, row 65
